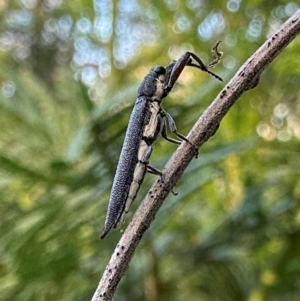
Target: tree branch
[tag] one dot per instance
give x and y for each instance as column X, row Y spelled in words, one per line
column 247, row 77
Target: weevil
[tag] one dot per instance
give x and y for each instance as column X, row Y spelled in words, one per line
column 147, row 122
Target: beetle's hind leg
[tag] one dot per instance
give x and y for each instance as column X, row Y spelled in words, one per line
column 157, row 172
column 154, row 171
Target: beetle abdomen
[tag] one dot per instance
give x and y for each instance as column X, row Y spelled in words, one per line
column 127, row 163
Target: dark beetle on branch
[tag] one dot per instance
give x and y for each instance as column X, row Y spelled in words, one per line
column 148, row 120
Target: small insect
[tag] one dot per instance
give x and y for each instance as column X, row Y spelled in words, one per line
column 148, row 120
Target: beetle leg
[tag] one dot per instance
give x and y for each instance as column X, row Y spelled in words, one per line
column 175, row 68
column 147, row 153
column 174, row 192
column 217, row 55
column 153, row 170
column 217, row 58
column 205, row 67
column 168, row 120
column 156, row 172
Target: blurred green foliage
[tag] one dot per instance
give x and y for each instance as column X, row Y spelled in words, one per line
column 69, row 72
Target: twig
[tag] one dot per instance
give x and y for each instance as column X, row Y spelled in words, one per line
column 246, row 78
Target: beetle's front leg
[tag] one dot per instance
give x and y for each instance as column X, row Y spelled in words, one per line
column 176, row 67
column 217, row 55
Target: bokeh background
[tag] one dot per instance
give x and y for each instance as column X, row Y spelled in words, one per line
column 69, row 73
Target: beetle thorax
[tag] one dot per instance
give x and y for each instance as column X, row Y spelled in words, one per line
column 160, row 84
